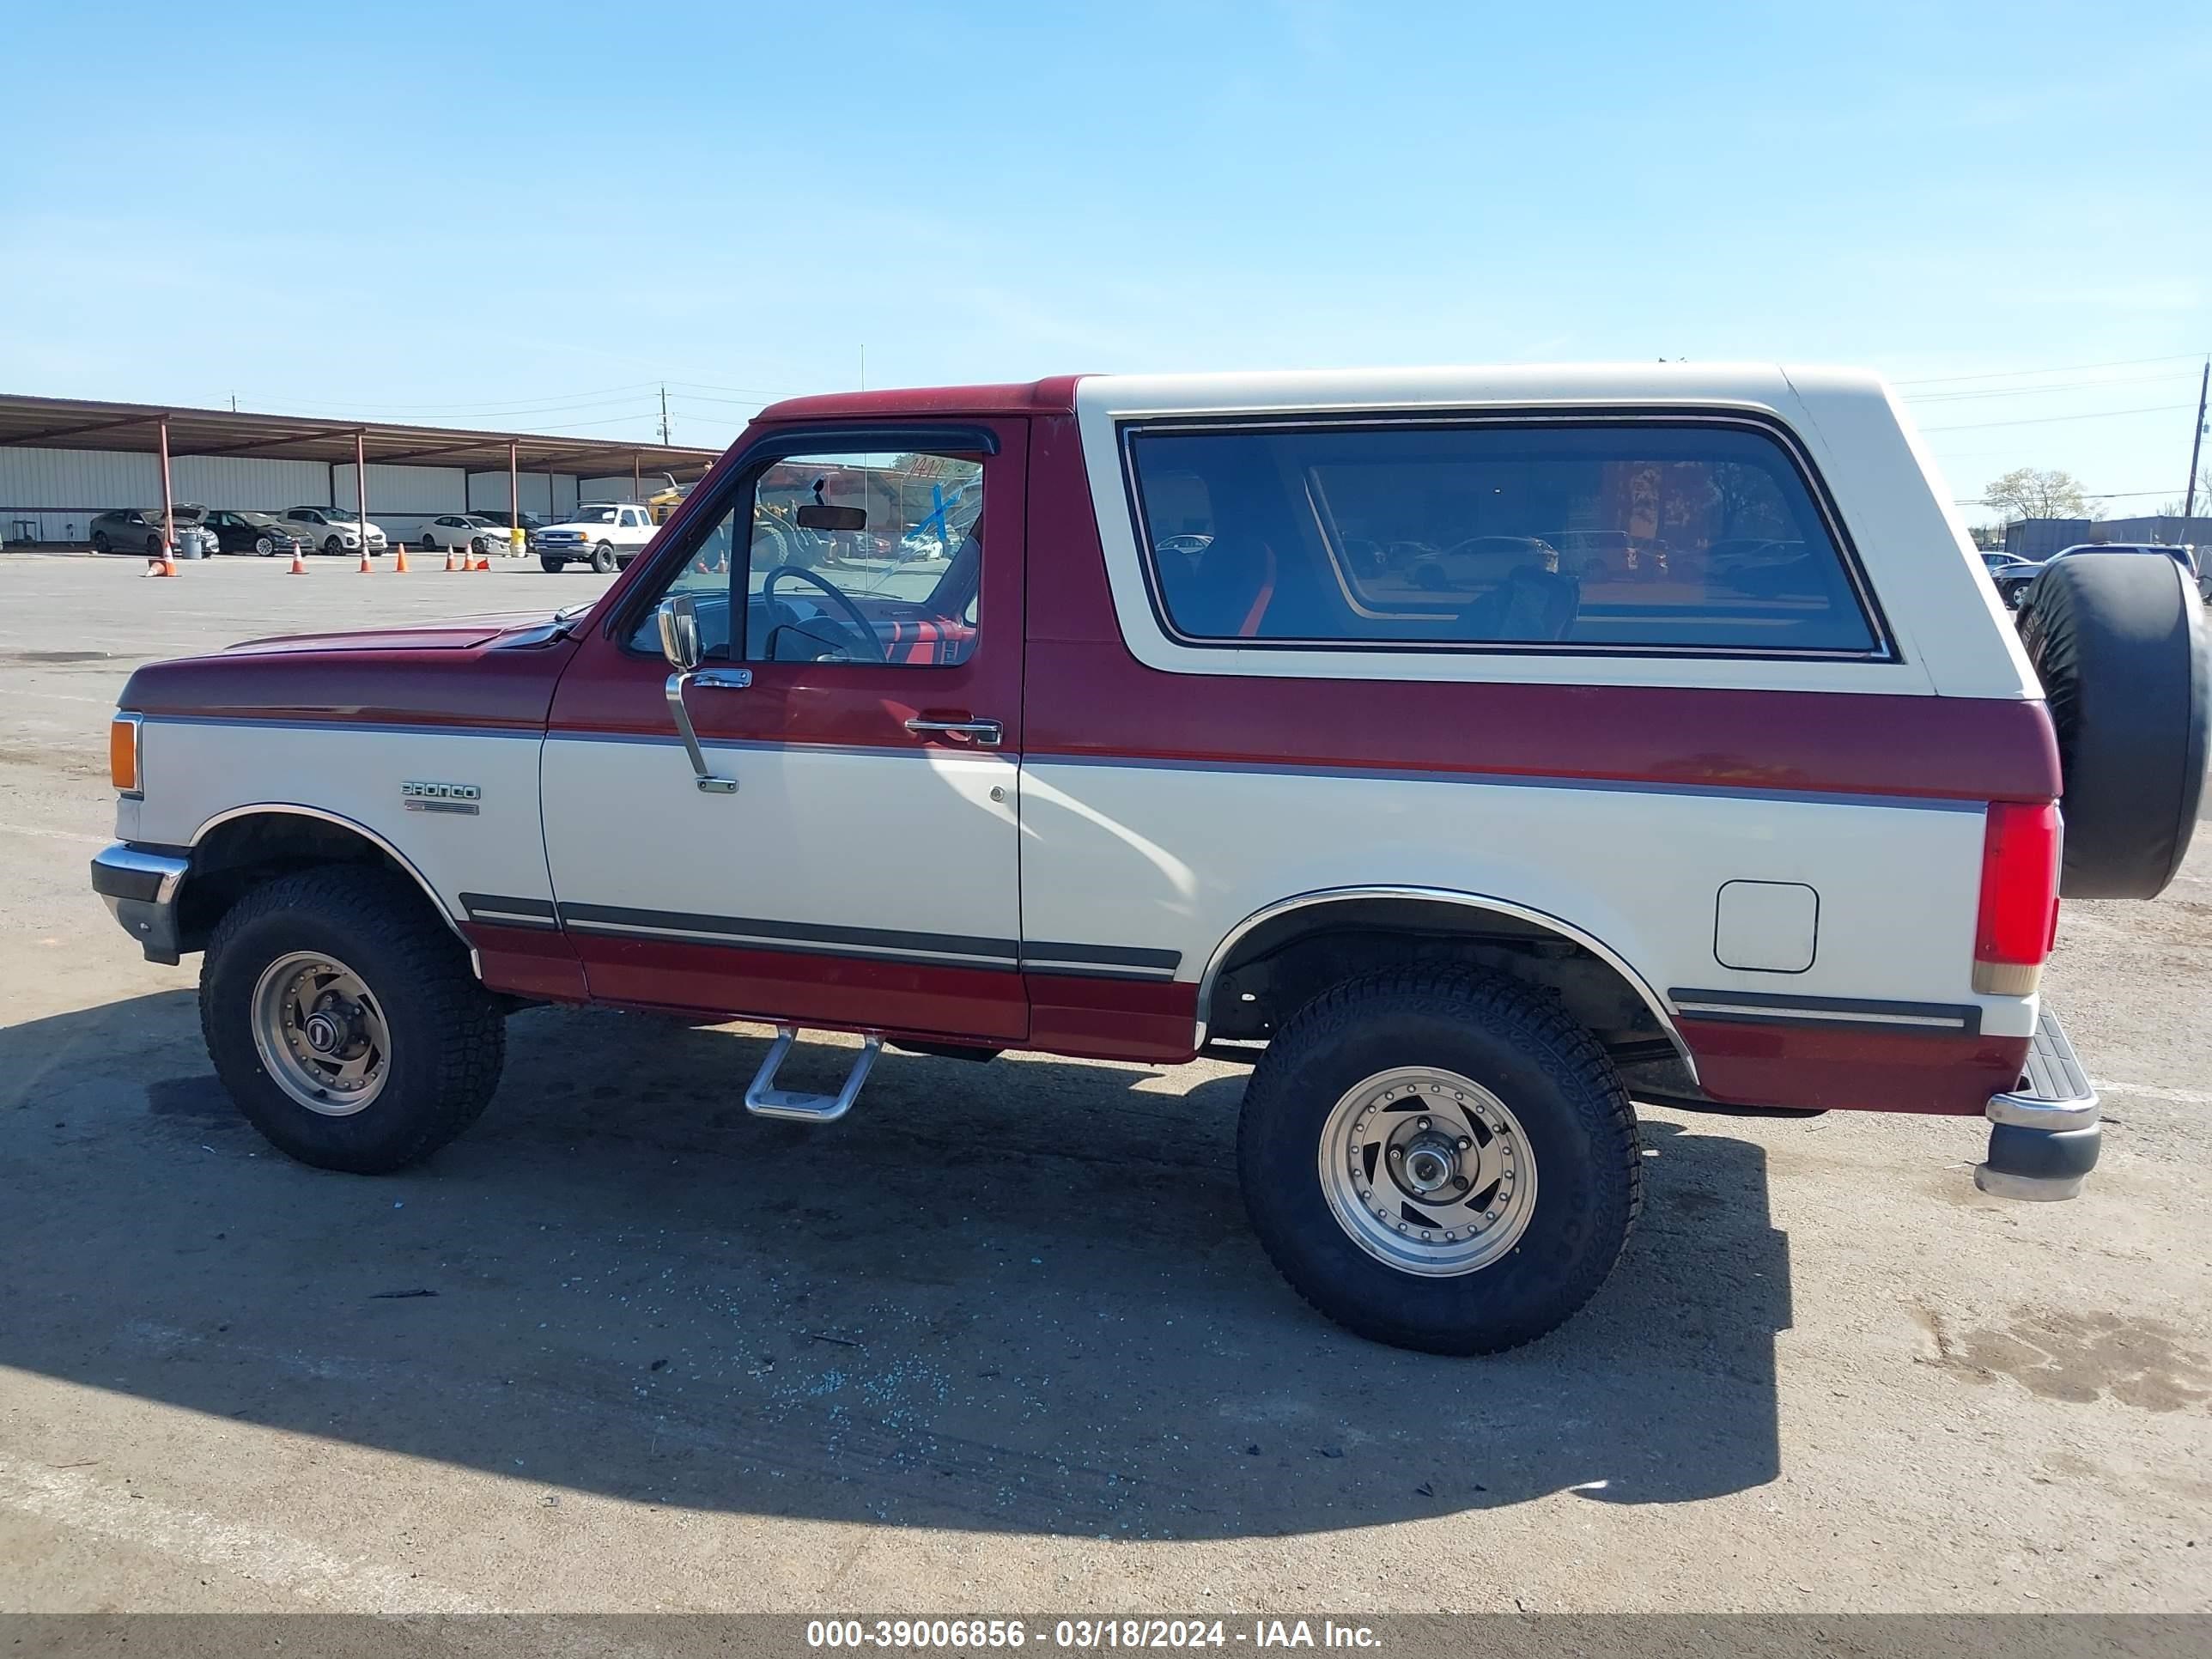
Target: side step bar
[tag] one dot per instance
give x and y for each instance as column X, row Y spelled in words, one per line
column 764, row 1099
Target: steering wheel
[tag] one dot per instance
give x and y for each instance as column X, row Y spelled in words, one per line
column 860, row 622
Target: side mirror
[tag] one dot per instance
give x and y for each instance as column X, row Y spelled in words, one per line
column 679, row 633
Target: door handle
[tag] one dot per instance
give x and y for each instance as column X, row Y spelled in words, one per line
column 989, row 733
column 723, row 679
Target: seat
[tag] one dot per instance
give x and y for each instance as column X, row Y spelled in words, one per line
column 1531, row 602
column 1223, row 592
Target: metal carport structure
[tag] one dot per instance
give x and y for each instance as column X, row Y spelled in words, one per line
column 173, row 432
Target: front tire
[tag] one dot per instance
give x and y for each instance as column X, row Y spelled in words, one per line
column 1439, row 1160
column 332, row 545
column 552, row 566
column 264, row 546
column 344, row 1021
column 603, row 558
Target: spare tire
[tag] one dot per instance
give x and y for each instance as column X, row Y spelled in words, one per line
column 2119, row 640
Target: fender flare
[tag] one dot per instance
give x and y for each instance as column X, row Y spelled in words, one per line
column 295, row 809
column 1660, row 1011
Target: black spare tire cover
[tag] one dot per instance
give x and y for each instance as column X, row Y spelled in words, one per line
column 2119, row 640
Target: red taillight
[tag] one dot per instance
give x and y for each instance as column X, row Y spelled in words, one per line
column 2018, row 918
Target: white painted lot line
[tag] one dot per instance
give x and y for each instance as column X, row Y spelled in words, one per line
column 55, row 835
column 2145, row 1091
column 70, row 1499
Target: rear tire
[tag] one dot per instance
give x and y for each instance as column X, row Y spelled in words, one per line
column 100, row 544
column 441, row 1035
column 1557, row 1164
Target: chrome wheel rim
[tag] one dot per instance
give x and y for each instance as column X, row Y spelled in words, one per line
column 1427, row 1172
column 321, row 1033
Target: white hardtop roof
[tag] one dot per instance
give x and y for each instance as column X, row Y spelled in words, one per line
column 1762, row 385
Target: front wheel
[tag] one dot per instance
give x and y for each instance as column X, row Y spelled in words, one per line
column 554, row 565
column 344, row 1021
column 1439, row 1160
column 602, row 557
column 264, row 547
column 331, row 544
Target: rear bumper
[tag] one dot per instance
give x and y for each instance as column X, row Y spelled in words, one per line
column 2044, row 1136
column 141, row 891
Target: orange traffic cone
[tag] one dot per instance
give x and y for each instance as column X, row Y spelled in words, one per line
column 480, row 564
column 367, row 568
column 299, row 563
column 399, row 558
column 453, row 561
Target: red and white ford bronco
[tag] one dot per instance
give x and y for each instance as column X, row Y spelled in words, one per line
column 1478, row 750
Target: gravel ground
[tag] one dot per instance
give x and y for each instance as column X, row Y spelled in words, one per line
column 1003, row 1342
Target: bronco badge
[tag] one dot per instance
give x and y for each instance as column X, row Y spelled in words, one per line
column 440, row 797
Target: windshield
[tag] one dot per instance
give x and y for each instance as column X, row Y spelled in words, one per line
column 481, row 522
column 592, row 515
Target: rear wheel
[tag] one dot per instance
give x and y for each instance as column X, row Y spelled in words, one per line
column 344, row 1021
column 100, row 544
column 602, row 557
column 1439, row 1160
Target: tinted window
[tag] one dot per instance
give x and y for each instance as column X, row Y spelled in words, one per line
column 1682, row 535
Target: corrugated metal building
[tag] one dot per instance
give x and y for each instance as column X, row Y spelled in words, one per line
column 62, row 460
column 2039, row 538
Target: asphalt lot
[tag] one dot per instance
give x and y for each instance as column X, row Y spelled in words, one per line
column 1012, row 1348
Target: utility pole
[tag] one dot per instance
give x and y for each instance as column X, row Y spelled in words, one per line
column 2196, row 447
column 664, row 415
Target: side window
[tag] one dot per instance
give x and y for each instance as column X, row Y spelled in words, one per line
column 1644, row 535
column 841, row 557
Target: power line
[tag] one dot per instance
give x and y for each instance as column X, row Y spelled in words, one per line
column 2046, row 420
column 2034, row 390
column 2063, row 369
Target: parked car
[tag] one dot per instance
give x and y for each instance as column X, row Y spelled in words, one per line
column 1475, row 564
column 606, row 535
column 470, row 532
column 2011, row 575
column 531, row 523
column 337, row 529
column 1464, row 878
column 127, row 530
column 252, row 532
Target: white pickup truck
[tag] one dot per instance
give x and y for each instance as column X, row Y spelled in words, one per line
column 605, row 535
column 1475, row 752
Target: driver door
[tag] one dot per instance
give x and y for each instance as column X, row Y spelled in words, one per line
column 859, row 603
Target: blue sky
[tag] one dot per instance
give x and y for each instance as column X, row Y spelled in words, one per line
column 529, row 217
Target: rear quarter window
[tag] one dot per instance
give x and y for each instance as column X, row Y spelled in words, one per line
column 1692, row 536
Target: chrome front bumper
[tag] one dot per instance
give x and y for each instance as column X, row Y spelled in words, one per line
column 2044, row 1136
column 141, row 891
